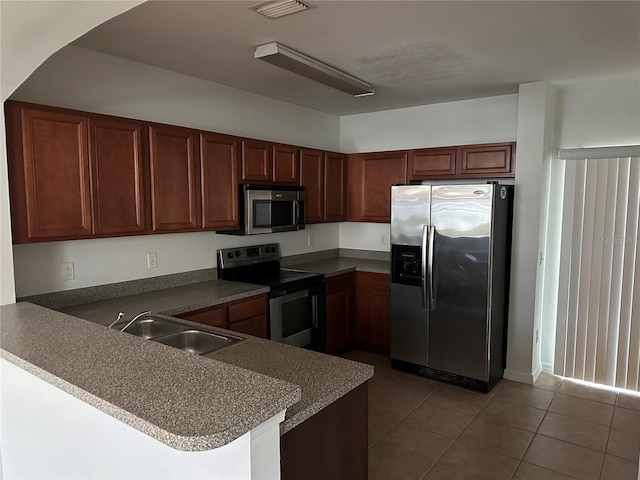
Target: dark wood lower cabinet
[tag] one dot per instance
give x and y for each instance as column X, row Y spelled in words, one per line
column 332, row 444
column 372, row 318
column 340, row 309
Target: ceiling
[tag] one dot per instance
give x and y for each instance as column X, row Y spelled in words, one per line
column 414, row 53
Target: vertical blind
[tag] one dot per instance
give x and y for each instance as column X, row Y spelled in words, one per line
column 598, row 322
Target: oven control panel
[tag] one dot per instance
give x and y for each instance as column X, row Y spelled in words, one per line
column 240, row 256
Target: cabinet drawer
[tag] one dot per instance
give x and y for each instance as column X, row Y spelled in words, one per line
column 340, row 283
column 244, row 309
column 256, row 326
column 208, row 316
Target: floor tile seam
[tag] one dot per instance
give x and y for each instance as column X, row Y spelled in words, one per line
column 589, row 399
column 582, row 420
column 550, row 470
column 573, row 443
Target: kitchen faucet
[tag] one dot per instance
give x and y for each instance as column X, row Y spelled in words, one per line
column 121, row 314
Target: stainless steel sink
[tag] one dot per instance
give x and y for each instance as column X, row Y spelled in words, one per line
column 171, row 331
column 196, row 341
column 150, row 327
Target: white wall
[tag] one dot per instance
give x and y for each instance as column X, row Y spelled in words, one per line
column 598, row 113
column 109, row 260
column 365, row 236
column 82, row 79
column 56, row 24
column 481, row 120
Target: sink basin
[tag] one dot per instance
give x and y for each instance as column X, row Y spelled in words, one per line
column 195, row 341
column 150, row 327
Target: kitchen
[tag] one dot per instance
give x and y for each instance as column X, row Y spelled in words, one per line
column 511, row 117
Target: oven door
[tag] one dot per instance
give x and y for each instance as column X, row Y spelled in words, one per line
column 298, row 317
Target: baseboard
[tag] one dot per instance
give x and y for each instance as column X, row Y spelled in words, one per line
column 547, row 367
column 519, row 376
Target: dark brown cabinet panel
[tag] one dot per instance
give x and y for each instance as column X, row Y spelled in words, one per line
column 432, row 162
column 286, row 165
column 372, row 328
column 174, row 189
column 335, row 185
column 49, row 173
column 243, row 309
column 340, row 309
column 256, row 326
column 486, row 160
column 117, row 176
column 214, row 316
column 257, row 161
column 369, row 179
column 312, row 178
column 219, row 163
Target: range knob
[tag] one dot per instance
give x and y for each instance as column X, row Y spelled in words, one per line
column 230, row 255
column 237, row 253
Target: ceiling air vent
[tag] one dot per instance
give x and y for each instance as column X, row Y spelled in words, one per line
column 273, row 9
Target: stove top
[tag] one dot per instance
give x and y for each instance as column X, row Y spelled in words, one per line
column 260, row 264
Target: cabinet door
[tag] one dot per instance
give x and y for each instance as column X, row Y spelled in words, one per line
column 285, row 165
column 116, row 175
column 432, row 163
column 174, row 189
column 340, row 307
column 256, row 326
column 208, row 316
column 219, row 180
column 257, row 161
column 369, row 178
column 312, row 173
column 487, row 160
column 49, row 171
column 372, row 330
column 335, row 184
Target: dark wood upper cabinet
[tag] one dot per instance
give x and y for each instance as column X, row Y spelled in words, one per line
column 49, row 173
column 487, row 160
column 335, row 185
column 312, row 178
column 174, row 189
column 369, row 180
column 286, row 165
column 257, row 161
column 432, row 162
column 219, row 164
column 117, row 176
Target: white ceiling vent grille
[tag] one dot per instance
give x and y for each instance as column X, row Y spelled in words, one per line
column 273, row 9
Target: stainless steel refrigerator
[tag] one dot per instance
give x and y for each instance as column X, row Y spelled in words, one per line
column 450, row 251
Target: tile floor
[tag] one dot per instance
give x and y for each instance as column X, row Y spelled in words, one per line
column 556, row 430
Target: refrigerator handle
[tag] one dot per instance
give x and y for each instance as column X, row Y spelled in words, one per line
column 423, row 263
column 432, row 239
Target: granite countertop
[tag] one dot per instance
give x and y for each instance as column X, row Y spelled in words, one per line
column 168, row 301
column 339, row 265
column 186, row 401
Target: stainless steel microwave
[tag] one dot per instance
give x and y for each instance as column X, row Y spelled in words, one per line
column 270, row 209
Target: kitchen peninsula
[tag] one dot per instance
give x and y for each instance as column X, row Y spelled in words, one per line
column 215, row 416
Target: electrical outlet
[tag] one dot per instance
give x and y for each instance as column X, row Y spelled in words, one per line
column 309, row 241
column 383, row 239
column 152, row 260
column 68, row 272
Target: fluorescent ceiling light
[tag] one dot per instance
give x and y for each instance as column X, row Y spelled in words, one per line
column 273, row 9
column 296, row 62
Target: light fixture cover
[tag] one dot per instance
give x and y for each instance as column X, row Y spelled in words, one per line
column 297, row 62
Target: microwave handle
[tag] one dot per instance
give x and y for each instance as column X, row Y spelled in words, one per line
column 296, row 214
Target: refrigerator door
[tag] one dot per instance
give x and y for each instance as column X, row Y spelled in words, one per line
column 410, row 206
column 459, row 329
column 410, row 212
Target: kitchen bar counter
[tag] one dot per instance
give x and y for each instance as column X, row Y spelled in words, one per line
column 186, row 401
